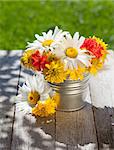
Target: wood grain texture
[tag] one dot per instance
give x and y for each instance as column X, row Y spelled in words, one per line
column 9, row 72
column 103, row 127
column 102, row 94
column 77, row 127
column 111, row 113
column 70, row 147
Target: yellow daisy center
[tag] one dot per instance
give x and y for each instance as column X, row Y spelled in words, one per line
column 33, row 97
column 71, row 52
column 47, row 43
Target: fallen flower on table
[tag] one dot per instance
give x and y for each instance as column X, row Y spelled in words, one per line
column 34, row 97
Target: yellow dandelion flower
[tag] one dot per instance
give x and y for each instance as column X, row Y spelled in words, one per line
column 26, row 60
column 93, row 70
column 51, row 106
column 96, row 66
column 77, row 74
column 55, row 72
column 44, row 108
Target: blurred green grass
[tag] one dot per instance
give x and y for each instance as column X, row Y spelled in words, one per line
column 20, row 20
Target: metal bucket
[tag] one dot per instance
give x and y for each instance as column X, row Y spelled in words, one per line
column 72, row 94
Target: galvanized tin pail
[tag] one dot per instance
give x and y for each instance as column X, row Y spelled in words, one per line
column 72, row 94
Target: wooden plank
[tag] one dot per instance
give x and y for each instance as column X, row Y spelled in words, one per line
column 70, row 147
column 103, row 127
column 77, row 127
column 111, row 112
column 102, row 94
column 9, row 71
column 29, row 133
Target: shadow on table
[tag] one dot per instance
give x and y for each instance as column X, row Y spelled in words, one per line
column 9, row 72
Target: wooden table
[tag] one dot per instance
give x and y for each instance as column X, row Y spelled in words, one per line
column 91, row 128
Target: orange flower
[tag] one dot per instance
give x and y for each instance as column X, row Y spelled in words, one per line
column 39, row 61
column 95, row 45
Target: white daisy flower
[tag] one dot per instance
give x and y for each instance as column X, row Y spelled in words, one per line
column 48, row 41
column 34, row 89
column 71, row 53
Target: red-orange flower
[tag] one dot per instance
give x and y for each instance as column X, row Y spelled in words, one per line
column 94, row 46
column 39, row 61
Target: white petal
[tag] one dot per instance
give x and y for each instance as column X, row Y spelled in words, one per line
column 35, row 45
column 47, row 88
column 44, row 35
column 44, row 97
column 49, row 34
column 69, row 63
column 39, row 38
column 23, row 89
column 29, row 82
column 82, row 51
column 80, row 41
column 40, row 82
column 35, row 83
column 59, row 52
column 24, row 107
column 68, row 36
column 84, row 59
column 18, row 98
column 55, row 31
column 75, row 63
column 66, row 64
column 76, row 36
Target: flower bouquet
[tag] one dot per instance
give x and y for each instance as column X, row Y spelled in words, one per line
column 61, row 64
